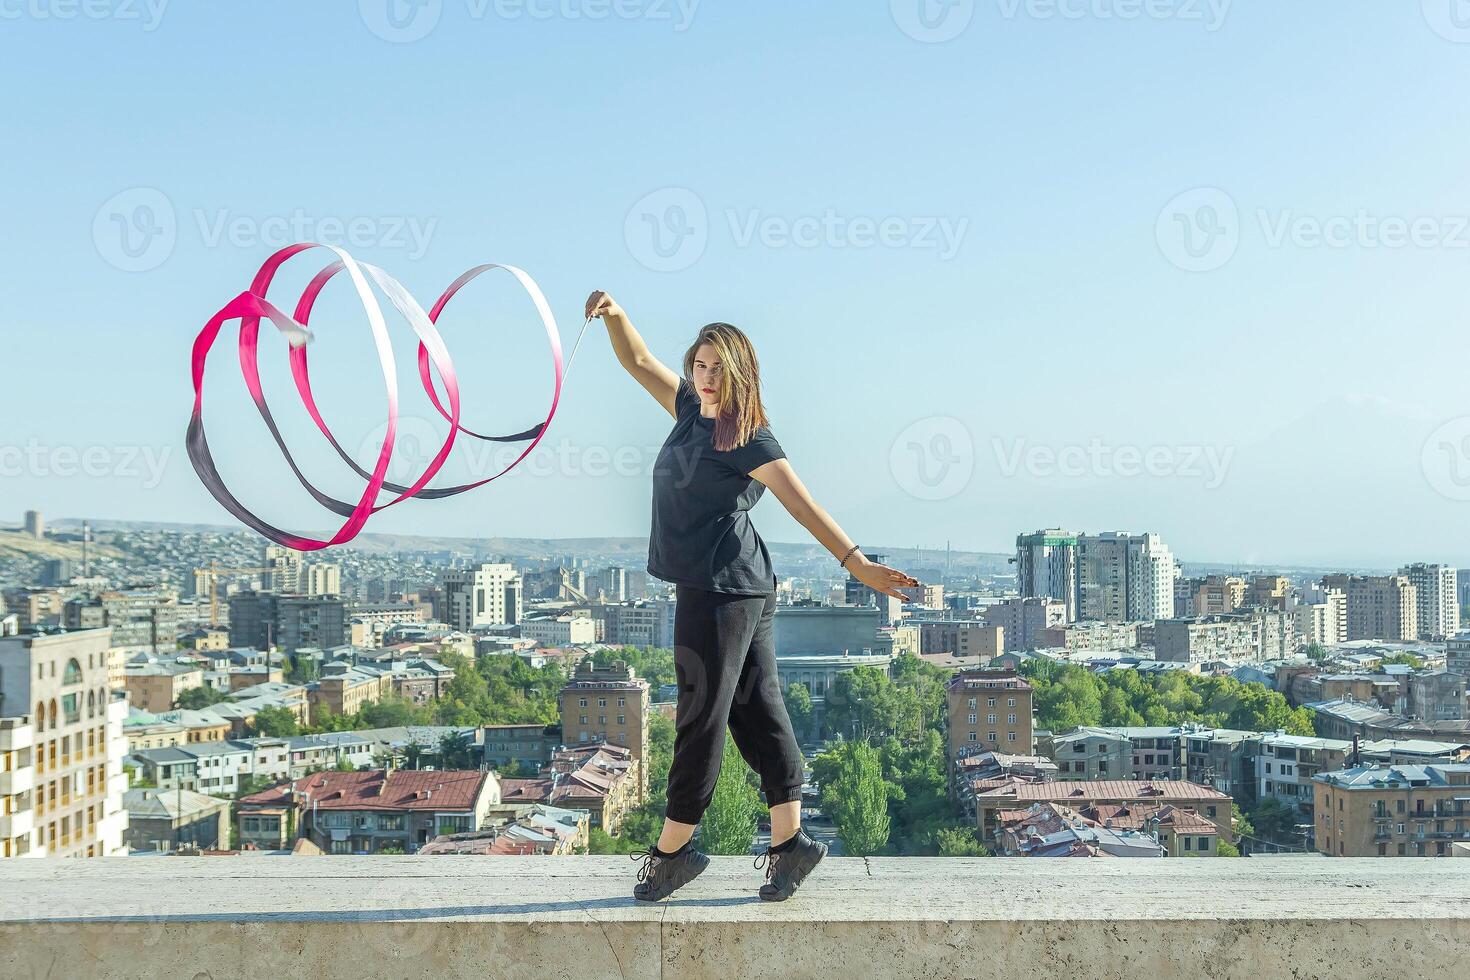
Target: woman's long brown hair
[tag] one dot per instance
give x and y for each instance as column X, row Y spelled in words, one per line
column 740, row 410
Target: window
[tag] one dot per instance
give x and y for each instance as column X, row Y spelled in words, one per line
column 972, row 703
column 972, row 736
column 72, row 674
column 602, row 702
column 972, row 718
column 1204, row 844
column 1010, row 719
column 581, row 702
column 990, row 719
column 1186, row 843
column 1010, row 702
column 621, row 720
column 1010, row 736
column 622, row 702
column 582, row 720
column 990, row 736
column 1102, row 766
column 990, row 702
column 1382, row 850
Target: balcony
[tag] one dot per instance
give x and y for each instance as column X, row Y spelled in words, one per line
column 17, row 824
column 16, row 734
column 882, row 917
column 17, row 781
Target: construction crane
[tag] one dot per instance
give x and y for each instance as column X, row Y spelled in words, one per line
column 214, row 571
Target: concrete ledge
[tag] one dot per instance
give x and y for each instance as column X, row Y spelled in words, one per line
column 327, row 917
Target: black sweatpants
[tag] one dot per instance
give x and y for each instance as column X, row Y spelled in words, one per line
column 725, row 659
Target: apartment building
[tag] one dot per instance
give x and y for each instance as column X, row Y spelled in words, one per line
column 1285, row 765
column 487, row 595
column 1379, row 607
column 1083, row 637
column 1231, row 639
column 1046, row 567
column 964, row 638
column 559, row 631
column 1023, row 621
column 344, row 690
column 989, row 709
column 608, row 704
column 61, row 747
column 1219, row 595
column 1392, row 811
column 1092, row 753
column 157, row 685
column 1208, row 803
column 1436, row 599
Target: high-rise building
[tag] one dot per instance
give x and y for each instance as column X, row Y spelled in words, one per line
column 323, row 579
column 1219, row 595
column 489, row 595
column 260, row 619
column 1320, row 616
column 61, row 747
column 1124, row 577
column 1269, row 592
column 139, row 616
column 1379, row 607
column 1046, row 567
column 287, row 564
column 35, row 524
column 1436, row 599
column 609, row 704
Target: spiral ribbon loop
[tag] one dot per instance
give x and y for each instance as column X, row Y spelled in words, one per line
column 251, row 306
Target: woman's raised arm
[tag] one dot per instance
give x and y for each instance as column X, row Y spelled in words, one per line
column 633, row 353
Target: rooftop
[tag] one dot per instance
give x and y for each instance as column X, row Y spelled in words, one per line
column 450, row 916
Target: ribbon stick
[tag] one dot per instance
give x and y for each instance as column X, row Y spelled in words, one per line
column 251, row 306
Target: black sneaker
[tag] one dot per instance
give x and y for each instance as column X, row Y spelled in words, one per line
column 785, row 869
column 661, row 873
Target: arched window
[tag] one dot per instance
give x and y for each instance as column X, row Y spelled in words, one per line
column 72, row 674
column 54, row 714
column 91, row 704
column 40, row 716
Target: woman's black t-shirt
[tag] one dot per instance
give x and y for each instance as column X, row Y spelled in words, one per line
column 701, row 533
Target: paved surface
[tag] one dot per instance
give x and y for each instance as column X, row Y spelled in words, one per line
column 572, row 917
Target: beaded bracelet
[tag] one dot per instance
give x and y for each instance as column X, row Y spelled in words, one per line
column 845, row 557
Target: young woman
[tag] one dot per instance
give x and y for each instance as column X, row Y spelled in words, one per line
column 715, row 464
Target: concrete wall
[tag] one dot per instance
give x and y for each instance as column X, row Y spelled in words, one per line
column 571, row 917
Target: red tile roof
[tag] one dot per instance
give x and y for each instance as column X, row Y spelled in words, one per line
column 400, row 789
column 1105, row 789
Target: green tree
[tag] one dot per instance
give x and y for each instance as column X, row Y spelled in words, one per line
column 729, row 822
column 275, row 723
column 961, row 842
column 856, row 797
column 200, row 697
column 799, row 707
column 1275, row 823
column 456, row 751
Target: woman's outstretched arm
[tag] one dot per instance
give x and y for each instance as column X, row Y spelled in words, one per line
column 633, row 353
column 788, row 488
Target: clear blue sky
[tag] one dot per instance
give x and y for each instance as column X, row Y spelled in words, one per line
column 1063, row 315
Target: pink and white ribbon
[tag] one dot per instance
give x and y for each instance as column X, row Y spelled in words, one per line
column 252, row 305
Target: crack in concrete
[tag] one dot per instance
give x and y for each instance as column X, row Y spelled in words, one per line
column 602, row 927
column 867, row 867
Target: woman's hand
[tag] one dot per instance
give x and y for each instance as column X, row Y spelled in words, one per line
column 602, row 305
column 879, row 577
